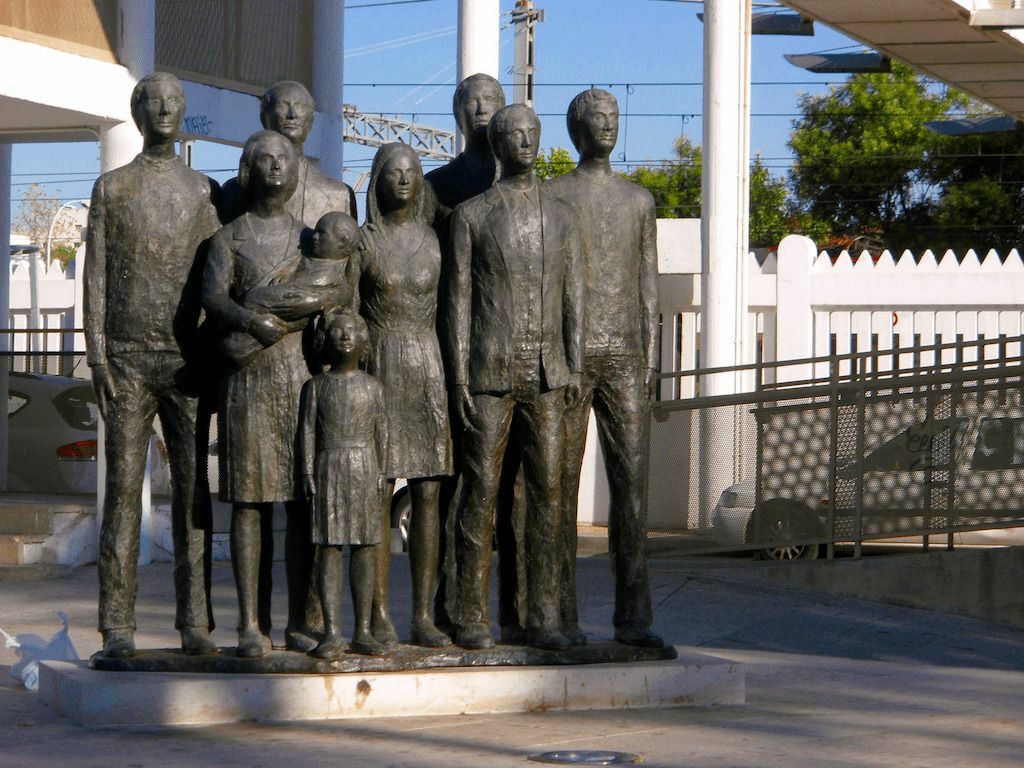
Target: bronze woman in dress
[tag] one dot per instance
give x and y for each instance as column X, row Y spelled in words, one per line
column 401, row 268
column 259, row 406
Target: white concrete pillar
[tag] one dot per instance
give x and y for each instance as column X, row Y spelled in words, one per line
column 724, row 232
column 479, row 23
column 136, row 47
column 5, row 296
column 328, row 82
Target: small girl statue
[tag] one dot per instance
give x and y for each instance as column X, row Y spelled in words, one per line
column 342, row 444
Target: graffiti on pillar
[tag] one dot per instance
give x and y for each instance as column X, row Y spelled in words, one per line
column 198, row 125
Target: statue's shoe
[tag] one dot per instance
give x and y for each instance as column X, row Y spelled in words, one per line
column 330, row 648
column 119, row 643
column 474, row 637
column 641, row 636
column 250, row 644
column 368, row 645
column 576, row 636
column 426, row 635
column 195, row 641
column 548, row 639
column 513, row 634
column 296, row 640
column 384, row 631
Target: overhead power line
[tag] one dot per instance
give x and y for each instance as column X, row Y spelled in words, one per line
column 382, row 3
column 601, row 83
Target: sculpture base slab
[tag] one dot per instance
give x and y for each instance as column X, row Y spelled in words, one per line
column 96, row 698
column 404, row 658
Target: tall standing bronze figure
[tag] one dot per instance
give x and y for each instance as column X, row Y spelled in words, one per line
column 147, row 221
column 287, row 108
column 515, row 335
column 401, row 268
column 259, row 408
column 619, row 251
column 474, row 171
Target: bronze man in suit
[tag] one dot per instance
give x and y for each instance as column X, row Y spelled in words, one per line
column 473, row 172
column 515, row 321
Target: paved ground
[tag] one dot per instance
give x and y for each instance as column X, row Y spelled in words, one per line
column 830, row 682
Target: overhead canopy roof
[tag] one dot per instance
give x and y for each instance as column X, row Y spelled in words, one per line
column 937, row 38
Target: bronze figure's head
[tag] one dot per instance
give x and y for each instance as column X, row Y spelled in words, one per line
column 158, row 107
column 287, row 108
column 514, row 133
column 593, row 122
column 476, row 100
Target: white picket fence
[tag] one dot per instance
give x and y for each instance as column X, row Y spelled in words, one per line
column 797, row 300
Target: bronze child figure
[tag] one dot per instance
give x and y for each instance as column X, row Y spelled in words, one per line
column 327, row 272
column 342, row 445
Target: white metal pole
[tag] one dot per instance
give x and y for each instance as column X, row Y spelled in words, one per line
column 479, row 21
column 35, row 348
column 724, row 184
column 328, row 82
column 724, row 224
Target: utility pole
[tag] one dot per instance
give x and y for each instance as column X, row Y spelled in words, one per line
column 525, row 17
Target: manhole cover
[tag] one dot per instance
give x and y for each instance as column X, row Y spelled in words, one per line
column 586, row 757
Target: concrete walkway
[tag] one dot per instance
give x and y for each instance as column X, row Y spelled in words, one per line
column 831, row 681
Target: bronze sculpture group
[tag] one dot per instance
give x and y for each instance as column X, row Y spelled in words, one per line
column 469, row 325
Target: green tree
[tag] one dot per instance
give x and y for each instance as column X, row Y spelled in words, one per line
column 862, row 150
column 674, row 185
column 769, row 219
column 556, row 162
column 867, row 170
column 676, row 188
column 980, row 204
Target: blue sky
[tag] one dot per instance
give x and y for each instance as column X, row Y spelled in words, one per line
column 581, row 42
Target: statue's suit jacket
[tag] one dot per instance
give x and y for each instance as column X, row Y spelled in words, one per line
column 483, row 301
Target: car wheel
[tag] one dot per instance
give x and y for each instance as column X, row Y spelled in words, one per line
column 779, row 522
column 401, row 514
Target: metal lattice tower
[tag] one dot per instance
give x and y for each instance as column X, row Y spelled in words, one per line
column 376, row 130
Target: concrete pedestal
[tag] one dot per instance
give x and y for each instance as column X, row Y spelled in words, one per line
column 93, row 698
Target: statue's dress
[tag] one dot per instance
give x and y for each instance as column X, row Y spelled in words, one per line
column 259, row 405
column 399, row 302
column 342, row 417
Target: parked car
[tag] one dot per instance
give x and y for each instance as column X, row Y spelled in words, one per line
column 988, row 452
column 52, row 426
column 51, row 423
